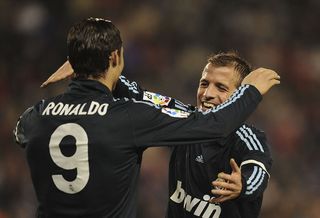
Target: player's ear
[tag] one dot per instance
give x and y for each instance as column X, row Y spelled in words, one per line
column 113, row 58
column 120, row 56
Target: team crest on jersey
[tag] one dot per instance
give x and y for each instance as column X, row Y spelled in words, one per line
column 175, row 113
column 156, row 98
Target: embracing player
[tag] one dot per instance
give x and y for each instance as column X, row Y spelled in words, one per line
column 194, row 166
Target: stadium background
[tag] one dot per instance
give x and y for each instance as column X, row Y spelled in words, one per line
column 166, row 45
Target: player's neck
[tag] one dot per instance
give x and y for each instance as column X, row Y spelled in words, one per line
column 109, row 80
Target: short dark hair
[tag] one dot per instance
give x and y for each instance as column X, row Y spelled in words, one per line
column 231, row 58
column 90, row 43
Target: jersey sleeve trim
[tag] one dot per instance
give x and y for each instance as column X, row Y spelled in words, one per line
column 261, row 165
column 15, row 132
column 132, row 86
column 255, row 180
column 238, row 93
column 249, row 138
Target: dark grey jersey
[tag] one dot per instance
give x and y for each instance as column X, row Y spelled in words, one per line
column 84, row 147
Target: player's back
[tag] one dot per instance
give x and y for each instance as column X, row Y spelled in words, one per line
column 82, row 159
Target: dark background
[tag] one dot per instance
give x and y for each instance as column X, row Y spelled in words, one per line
column 166, row 45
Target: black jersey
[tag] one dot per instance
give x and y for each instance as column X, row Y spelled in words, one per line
column 194, row 167
column 84, row 147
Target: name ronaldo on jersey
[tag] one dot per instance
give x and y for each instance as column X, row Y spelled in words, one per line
column 62, row 109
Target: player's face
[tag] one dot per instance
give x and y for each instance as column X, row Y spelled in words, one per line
column 216, row 85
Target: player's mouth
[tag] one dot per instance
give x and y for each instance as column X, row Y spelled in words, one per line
column 207, row 105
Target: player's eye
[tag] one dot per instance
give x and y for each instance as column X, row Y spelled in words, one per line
column 222, row 88
column 203, row 84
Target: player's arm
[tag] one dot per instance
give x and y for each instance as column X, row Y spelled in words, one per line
column 255, row 179
column 132, row 90
column 65, row 71
column 128, row 89
column 256, row 162
column 124, row 89
column 20, row 131
column 261, row 78
column 158, row 126
column 251, row 179
column 167, row 127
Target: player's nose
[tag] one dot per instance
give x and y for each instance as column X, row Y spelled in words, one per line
column 209, row 93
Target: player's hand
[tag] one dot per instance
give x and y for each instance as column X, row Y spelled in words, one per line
column 64, row 72
column 263, row 79
column 229, row 185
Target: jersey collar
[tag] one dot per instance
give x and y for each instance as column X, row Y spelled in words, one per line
column 88, row 87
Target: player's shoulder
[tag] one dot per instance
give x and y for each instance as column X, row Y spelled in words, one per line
column 30, row 115
column 249, row 129
column 251, row 138
column 34, row 109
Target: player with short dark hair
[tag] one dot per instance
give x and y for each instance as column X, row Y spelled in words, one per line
column 239, row 191
column 84, row 146
column 89, row 43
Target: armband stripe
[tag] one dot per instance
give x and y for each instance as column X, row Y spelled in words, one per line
column 254, row 180
column 251, row 188
column 256, row 163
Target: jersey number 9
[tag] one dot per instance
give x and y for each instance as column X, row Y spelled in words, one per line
column 78, row 161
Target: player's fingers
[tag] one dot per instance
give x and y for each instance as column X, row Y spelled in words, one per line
column 224, row 176
column 226, row 185
column 215, row 200
column 260, row 69
column 48, row 81
column 234, row 166
column 221, row 184
column 275, row 82
column 44, row 84
column 221, row 192
column 57, row 76
column 220, row 199
column 274, row 76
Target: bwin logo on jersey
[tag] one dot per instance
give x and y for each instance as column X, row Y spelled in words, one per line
column 195, row 205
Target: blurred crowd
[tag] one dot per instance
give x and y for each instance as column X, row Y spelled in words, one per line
column 166, row 45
